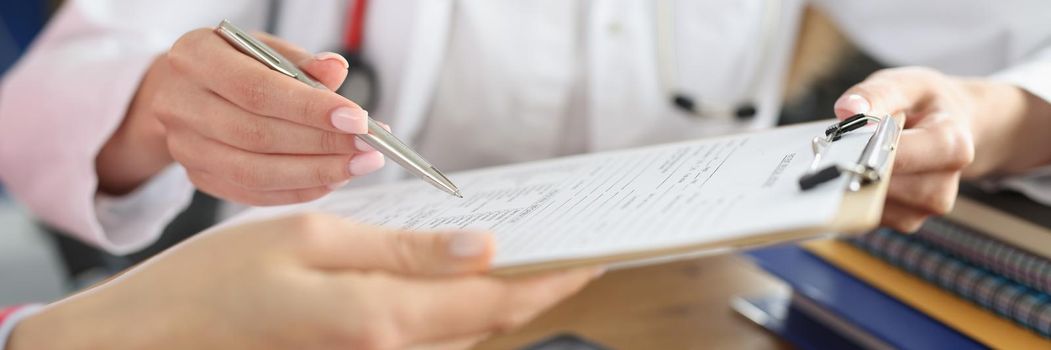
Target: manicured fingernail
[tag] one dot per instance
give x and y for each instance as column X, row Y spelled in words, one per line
column 338, row 185
column 350, row 120
column 333, row 56
column 853, row 104
column 599, row 272
column 366, row 163
column 363, row 146
column 384, row 125
column 467, row 245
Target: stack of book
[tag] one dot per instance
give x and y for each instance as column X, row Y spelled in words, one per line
column 978, row 277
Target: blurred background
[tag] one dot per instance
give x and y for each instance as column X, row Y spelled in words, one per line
column 30, row 265
column 37, row 265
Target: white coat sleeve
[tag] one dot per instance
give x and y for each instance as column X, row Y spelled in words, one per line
column 69, row 93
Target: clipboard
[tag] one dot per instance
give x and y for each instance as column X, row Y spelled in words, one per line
column 860, row 209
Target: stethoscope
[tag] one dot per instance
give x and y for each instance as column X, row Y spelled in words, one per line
column 745, row 108
column 362, row 85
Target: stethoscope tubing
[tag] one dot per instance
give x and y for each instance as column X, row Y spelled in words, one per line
column 359, row 67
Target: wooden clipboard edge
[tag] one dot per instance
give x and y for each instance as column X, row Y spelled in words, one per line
column 868, row 201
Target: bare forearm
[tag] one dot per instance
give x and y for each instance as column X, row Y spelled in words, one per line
column 63, row 327
column 1012, row 130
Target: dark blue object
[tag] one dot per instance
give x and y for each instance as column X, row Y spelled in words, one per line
column 781, row 316
column 856, row 302
column 20, row 22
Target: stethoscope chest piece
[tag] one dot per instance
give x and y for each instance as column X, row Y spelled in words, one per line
column 745, row 108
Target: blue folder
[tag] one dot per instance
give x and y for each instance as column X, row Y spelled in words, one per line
column 854, row 301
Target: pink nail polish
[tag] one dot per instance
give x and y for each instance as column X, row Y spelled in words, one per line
column 366, row 163
column 332, row 56
column 466, row 245
column 350, row 120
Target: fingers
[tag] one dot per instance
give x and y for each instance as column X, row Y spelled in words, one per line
column 928, row 193
column 362, row 247
column 240, row 79
column 935, row 146
column 914, row 197
column 265, row 172
column 471, row 306
column 935, row 138
column 937, row 143
column 235, row 124
column 329, row 68
column 221, row 188
column 890, row 91
column 219, row 120
column 902, row 218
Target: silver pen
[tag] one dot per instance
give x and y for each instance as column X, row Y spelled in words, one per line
column 378, row 137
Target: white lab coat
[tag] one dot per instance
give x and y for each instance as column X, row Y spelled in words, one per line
column 91, row 58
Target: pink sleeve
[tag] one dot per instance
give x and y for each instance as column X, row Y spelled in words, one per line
column 59, row 105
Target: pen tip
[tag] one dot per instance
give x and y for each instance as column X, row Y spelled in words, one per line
column 458, row 195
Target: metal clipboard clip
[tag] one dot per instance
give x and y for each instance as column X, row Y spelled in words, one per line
column 870, row 166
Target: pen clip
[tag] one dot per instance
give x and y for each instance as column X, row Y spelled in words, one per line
column 251, row 46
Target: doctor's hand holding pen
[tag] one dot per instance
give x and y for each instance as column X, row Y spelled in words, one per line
column 955, row 128
column 302, row 282
column 242, row 131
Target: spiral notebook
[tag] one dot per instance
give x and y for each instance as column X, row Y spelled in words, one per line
column 942, row 305
column 651, row 203
column 1025, row 306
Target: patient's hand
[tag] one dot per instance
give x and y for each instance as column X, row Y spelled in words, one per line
column 302, row 282
column 955, row 127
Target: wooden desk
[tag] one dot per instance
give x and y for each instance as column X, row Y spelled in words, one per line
column 679, row 305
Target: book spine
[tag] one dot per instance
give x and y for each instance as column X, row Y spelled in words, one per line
column 999, row 257
column 1025, row 306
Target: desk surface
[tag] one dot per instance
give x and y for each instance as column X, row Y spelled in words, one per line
column 679, row 305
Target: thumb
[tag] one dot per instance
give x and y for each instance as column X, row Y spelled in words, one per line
column 364, row 247
column 889, row 91
column 851, row 104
